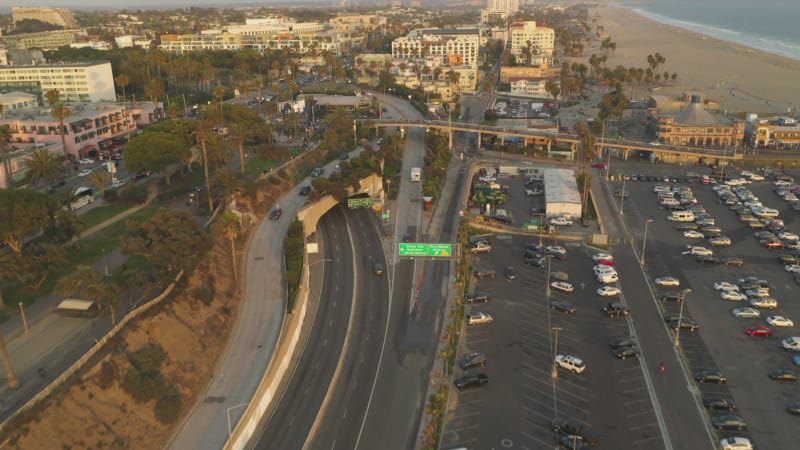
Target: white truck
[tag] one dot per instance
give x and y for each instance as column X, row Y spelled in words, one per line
column 416, row 174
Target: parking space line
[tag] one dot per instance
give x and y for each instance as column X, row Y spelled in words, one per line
column 571, row 406
column 629, row 380
column 641, row 413
column 457, row 416
column 541, row 443
column 633, row 402
column 642, row 441
column 631, row 391
column 537, row 413
column 647, row 425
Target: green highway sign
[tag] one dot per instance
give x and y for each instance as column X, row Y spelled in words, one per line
column 360, row 202
column 416, row 249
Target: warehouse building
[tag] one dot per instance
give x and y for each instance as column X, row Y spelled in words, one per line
column 562, row 197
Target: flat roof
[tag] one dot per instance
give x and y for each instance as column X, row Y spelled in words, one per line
column 66, row 64
column 72, row 304
column 560, row 186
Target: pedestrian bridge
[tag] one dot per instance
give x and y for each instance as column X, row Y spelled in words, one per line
column 552, row 140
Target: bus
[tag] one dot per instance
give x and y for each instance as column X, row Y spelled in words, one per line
column 80, row 198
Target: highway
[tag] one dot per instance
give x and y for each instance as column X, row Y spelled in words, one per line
column 297, row 409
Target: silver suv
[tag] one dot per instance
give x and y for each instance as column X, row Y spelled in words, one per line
column 479, row 318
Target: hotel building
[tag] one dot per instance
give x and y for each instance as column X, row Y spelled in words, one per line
column 90, row 81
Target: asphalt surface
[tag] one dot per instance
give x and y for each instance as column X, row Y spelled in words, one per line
column 297, row 409
column 721, row 342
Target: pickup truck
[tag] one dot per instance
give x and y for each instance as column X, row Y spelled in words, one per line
column 571, row 363
column 563, row 221
column 570, row 426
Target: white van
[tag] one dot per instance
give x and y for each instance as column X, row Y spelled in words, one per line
column 681, row 216
column 670, row 202
column 607, row 278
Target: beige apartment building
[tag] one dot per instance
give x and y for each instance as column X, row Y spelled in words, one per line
column 458, row 46
column 45, row 40
column 508, row 73
column 539, row 41
column 91, row 81
column 694, row 126
column 61, row 17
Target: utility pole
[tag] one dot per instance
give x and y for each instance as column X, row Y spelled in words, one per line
column 13, row 382
column 644, row 241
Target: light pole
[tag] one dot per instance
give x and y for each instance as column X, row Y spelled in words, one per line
column 554, row 372
column 24, row 318
column 644, row 241
column 622, row 197
column 547, row 281
column 680, row 317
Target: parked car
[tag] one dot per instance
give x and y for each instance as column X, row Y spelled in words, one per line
column 378, row 269
column 510, row 273
column 615, row 310
column 562, row 306
column 728, row 422
column 625, row 352
column 667, row 281
column 779, row 321
column 719, row 402
column 735, row 443
column 562, row 286
column 783, row 375
column 621, row 341
column 732, row 261
column 477, row 297
column 471, row 380
column 570, row 363
column 608, row 291
column 561, row 221
column 725, row 286
column 791, row 344
column 484, row 273
column 476, row 318
column 710, row 376
column 763, row 303
column 760, row 331
column 746, row 313
column 472, row 360
column 684, row 324
column 305, row 190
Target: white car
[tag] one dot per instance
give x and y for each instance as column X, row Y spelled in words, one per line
column 607, row 278
column 699, row 251
column 757, row 293
column 791, row 344
column 779, row 321
column 571, row 363
column 603, row 269
column 562, row 221
column 667, row 281
column 734, row 296
column 562, row 286
column 787, row 236
column 693, row 234
column 723, row 241
column 533, row 192
column 555, row 250
column 781, row 183
column 84, row 172
column 478, row 318
column 602, row 256
column 746, row 313
column 86, row 162
column 735, row 443
column 794, row 268
column 725, row 286
column 608, row 291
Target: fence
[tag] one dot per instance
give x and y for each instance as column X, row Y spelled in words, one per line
column 78, row 365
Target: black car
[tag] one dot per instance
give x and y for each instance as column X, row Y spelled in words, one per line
column 625, row 353
column 140, row 175
column 562, row 306
column 621, row 341
column 378, row 269
column 575, row 430
column 536, row 262
column 535, row 247
column 472, row 360
column 673, row 317
column 719, row 402
column 471, row 380
column 710, row 376
column 275, row 214
column 484, row 273
column 344, row 157
column 733, row 261
column 571, row 442
column 671, row 296
column 615, row 310
column 794, row 408
column 305, row 190
column 728, row 422
column 783, row 375
column 708, row 259
column 685, row 324
column 510, row 273
column 477, row 297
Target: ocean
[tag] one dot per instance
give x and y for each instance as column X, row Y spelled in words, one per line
column 769, row 25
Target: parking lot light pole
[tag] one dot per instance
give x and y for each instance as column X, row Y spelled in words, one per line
column 644, row 241
column 622, row 197
column 680, row 317
column 547, row 281
column 554, row 372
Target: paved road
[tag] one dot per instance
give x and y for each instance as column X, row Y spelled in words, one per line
column 295, row 413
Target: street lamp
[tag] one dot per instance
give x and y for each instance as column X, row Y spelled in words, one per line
column 680, row 317
column 554, row 372
column 644, row 241
column 622, row 197
column 547, row 281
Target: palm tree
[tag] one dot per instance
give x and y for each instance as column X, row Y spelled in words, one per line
column 203, row 134
column 100, row 180
column 229, row 225
column 219, row 95
column 13, row 382
column 122, row 81
column 53, row 96
column 239, row 136
column 41, row 165
column 5, row 138
column 61, row 112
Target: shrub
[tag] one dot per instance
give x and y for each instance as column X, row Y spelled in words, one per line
column 107, row 374
column 168, row 407
column 133, row 195
column 205, row 294
column 148, row 358
column 143, row 386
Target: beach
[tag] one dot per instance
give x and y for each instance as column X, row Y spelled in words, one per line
column 740, row 78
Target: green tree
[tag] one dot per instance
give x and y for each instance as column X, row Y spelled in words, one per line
column 205, row 135
column 170, row 240
column 60, row 113
column 156, row 151
column 42, row 166
column 22, row 214
column 5, row 138
column 229, row 225
column 122, row 81
column 100, row 179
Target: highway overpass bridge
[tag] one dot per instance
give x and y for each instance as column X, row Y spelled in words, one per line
column 561, row 143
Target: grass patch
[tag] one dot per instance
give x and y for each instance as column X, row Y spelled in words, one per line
column 296, row 151
column 255, row 166
column 102, row 213
column 86, row 251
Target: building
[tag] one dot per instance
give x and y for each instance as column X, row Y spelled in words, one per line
column 60, row 17
column 531, row 87
column 531, row 44
column 459, row 46
column 226, row 41
column 45, row 40
column 696, row 127
column 561, row 194
column 499, row 10
column 348, row 23
column 778, row 132
column 509, row 73
column 90, row 81
column 14, row 101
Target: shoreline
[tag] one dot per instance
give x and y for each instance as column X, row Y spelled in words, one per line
column 740, row 78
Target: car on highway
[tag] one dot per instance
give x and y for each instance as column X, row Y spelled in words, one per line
column 710, row 376
column 728, row 422
column 477, row 297
column 561, row 221
column 733, row 296
column 735, row 443
column 86, row 162
column 562, row 306
column 693, row 234
column 746, row 313
column 763, row 303
column 305, row 190
column 732, row 261
column 570, row 363
column 783, row 375
column 760, row 331
column 477, row 318
column 608, row 291
column 625, row 352
column 472, row 360
column 484, row 273
column 471, row 380
column 699, row 251
column 562, row 286
column 725, row 286
column 276, row 213
column 84, row 172
column 378, row 269
column 718, row 402
column 599, row 165
column 615, row 310
column 779, row 321
column 667, row 281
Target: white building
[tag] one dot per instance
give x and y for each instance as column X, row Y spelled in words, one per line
column 531, row 87
column 91, row 81
column 499, row 10
column 561, row 193
column 540, row 40
column 14, row 101
column 459, row 46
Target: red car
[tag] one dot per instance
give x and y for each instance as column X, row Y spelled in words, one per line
column 599, row 165
column 605, row 262
column 760, row 330
column 773, row 244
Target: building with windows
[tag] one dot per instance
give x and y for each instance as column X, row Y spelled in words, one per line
column 694, row 126
column 531, row 87
column 499, row 10
column 61, row 17
column 781, row 133
column 302, row 44
column 508, row 73
column 532, row 44
column 14, row 101
column 459, row 46
column 90, row 81
column 45, row 40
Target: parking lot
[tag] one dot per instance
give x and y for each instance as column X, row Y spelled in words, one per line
column 516, row 407
column 721, row 342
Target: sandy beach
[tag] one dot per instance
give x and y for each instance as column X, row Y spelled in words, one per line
column 741, row 79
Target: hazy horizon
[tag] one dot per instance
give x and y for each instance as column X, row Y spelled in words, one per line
column 155, row 4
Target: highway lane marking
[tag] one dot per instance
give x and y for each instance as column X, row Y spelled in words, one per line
column 291, row 421
column 324, row 343
column 345, row 414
